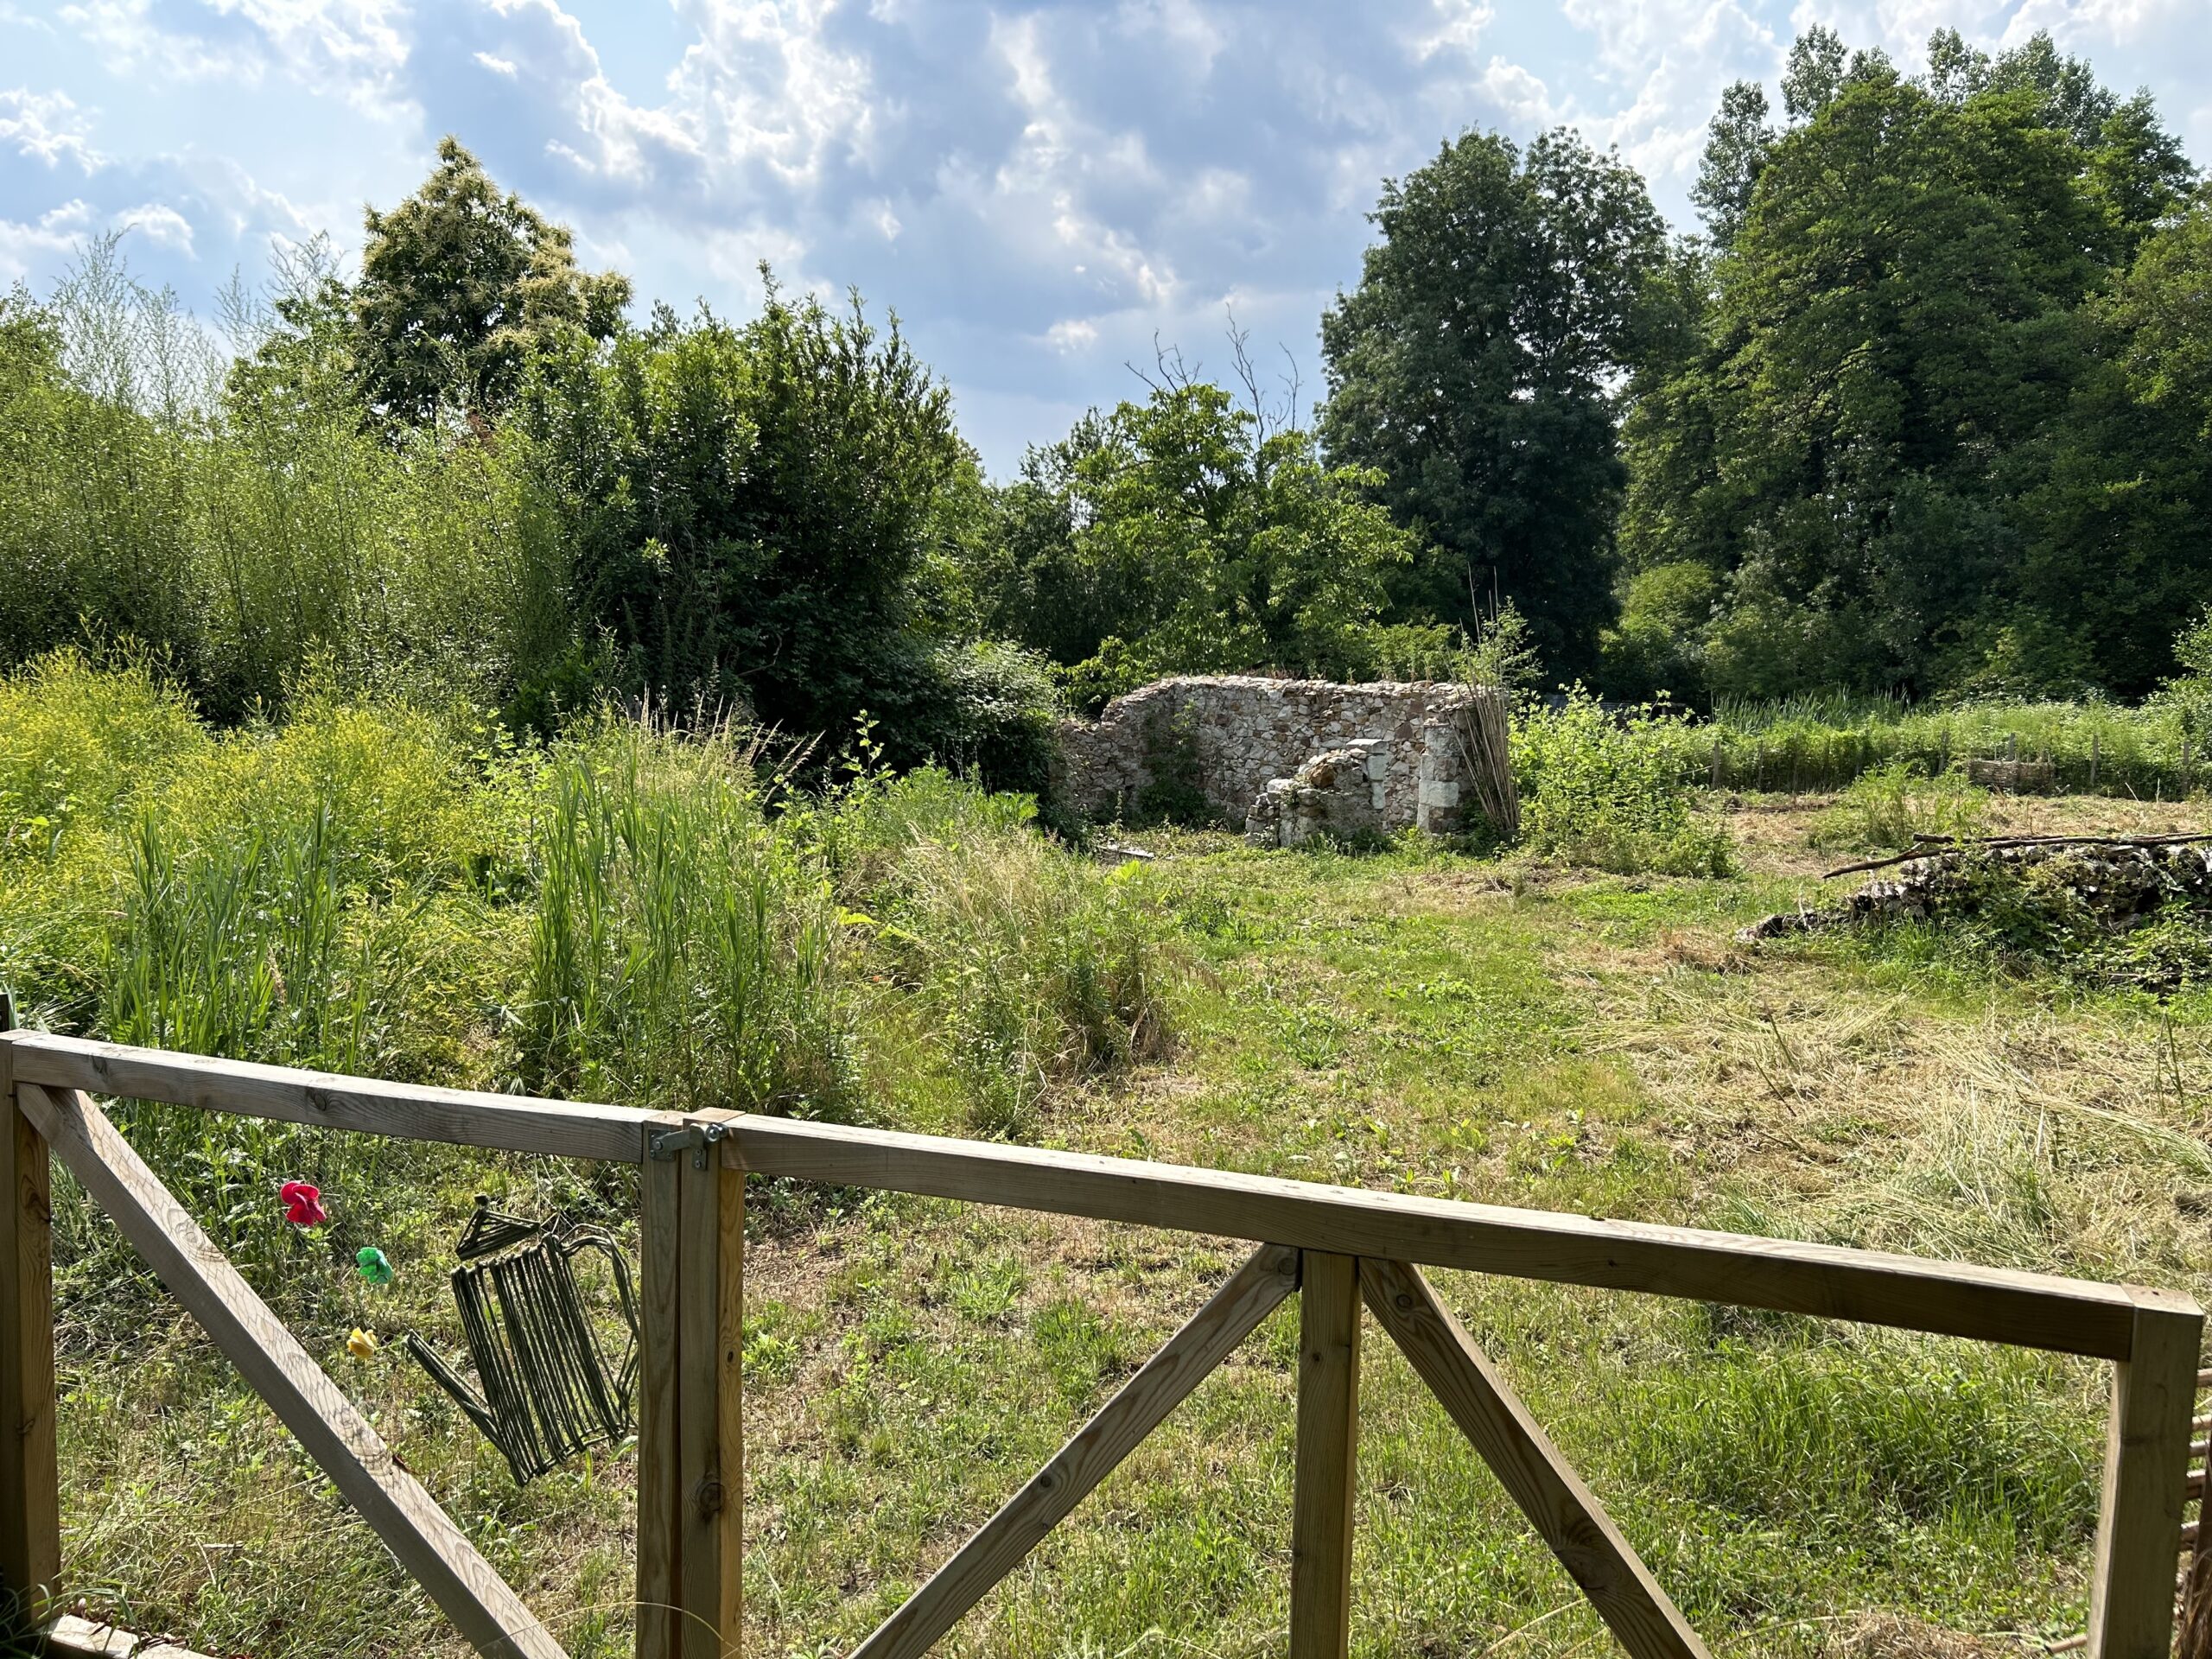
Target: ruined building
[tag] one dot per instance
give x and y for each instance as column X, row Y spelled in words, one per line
column 1286, row 758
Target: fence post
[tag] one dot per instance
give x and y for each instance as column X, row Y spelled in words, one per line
column 2147, row 1466
column 1328, row 1444
column 660, row 1253
column 710, row 1450
column 689, row 1436
column 31, row 1506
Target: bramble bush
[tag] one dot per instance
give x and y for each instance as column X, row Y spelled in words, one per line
column 1614, row 794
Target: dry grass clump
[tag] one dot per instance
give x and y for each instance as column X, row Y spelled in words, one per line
column 1885, row 1635
column 1027, row 965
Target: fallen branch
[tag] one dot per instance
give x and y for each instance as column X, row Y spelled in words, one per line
column 1938, row 846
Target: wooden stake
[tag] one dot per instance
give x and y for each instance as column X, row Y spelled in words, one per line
column 30, row 1508
column 706, row 1508
column 1328, row 1443
column 730, row 1395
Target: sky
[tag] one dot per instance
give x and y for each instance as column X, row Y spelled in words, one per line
column 1040, row 192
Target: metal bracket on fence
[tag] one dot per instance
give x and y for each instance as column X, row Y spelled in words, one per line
column 700, row 1138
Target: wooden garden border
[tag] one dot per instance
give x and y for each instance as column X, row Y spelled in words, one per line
column 1335, row 1247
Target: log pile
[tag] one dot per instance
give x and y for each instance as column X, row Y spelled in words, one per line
column 2118, row 881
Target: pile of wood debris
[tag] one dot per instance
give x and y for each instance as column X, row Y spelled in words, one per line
column 2118, row 882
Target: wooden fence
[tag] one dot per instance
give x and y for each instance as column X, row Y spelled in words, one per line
column 1335, row 1249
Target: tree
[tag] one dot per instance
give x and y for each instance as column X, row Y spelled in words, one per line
column 1185, row 534
column 459, row 283
column 1736, row 148
column 2120, row 490
column 1815, row 73
column 2164, row 310
column 1900, row 444
column 751, row 507
column 1477, row 366
column 2138, row 172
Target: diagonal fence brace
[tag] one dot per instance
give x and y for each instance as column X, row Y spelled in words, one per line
column 1564, row 1511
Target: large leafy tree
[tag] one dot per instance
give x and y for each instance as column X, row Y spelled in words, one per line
column 1900, row 327
column 2118, row 499
column 750, row 508
column 459, row 284
column 1476, row 368
column 1736, row 148
column 1190, row 534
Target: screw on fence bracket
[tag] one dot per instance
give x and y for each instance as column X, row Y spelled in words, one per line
column 700, row 1138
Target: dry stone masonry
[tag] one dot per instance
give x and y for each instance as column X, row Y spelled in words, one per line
column 2074, row 897
column 1288, row 759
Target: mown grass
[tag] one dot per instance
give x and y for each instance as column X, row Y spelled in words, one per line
column 1416, row 1019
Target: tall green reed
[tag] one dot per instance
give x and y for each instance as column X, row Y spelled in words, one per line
column 245, row 523
column 683, row 955
column 2152, row 752
column 238, row 946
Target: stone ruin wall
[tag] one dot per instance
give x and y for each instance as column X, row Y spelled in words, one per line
column 1244, row 732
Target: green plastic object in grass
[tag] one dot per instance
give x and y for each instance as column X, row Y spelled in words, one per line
column 546, row 1389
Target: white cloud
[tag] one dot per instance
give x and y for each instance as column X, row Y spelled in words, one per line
column 159, row 224
column 48, row 126
column 354, row 47
column 1071, row 335
column 1458, row 27
column 766, row 85
column 54, row 235
column 1520, row 95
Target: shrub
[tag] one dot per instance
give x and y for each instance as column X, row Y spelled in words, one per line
column 988, row 711
column 1612, row 793
column 76, row 737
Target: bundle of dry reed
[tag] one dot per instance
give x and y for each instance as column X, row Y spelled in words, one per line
column 1485, row 751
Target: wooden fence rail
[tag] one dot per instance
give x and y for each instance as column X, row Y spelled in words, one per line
column 1337, row 1248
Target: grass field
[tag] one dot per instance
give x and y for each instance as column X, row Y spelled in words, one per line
column 1410, row 1019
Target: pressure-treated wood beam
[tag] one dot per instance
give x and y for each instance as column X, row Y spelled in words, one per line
column 1947, row 1297
column 1950, row 1298
column 463, row 1117
column 2147, row 1466
column 31, row 1517
column 660, row 1250
column 709, row 1470
column 1328, row 1449
column 691, row 1431
column 428, row 1547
